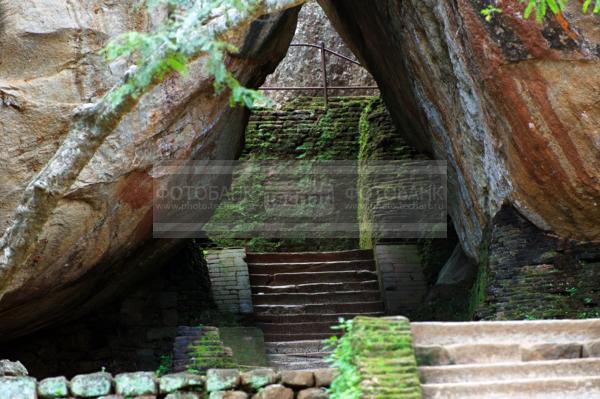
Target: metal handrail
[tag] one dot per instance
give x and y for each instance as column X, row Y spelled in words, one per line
column 325, row 86
column 327, row 51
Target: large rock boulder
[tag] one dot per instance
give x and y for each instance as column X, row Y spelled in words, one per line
column 98, row 240
column 511, row 104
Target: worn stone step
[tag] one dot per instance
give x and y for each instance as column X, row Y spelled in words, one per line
column 326, row 308
column 504, row 352
column 307, row 278
column 286, row 257
column 551, row 388
column 308, row 267
column 317, row 287
column 297, row 328
column 306, row 346
column 298, row 362
column 510, row 371
column 303, row 318
column 275, row 337
column 556, row 331
column 317, row 297
column 279, row 365
column 467, row 354
column 299, row 357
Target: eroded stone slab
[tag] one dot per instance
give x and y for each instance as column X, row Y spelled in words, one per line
column 90, row 385
column 312, row 393
column 18, row 387
column 222, row 379
column 324, row 377
column 12, row 369
column 136, row 384
column 55, row 387
column 550, row 352
column 228, row 395
column 173, row 382
column 274, row 392
column 298, row 379
column 259, row 378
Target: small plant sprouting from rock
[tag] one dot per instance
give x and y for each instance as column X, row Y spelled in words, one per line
column 540, row 8
column 347, row 384
column 165, row 365
column 489, row 11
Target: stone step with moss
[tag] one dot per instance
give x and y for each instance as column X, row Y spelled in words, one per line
column 376, row 360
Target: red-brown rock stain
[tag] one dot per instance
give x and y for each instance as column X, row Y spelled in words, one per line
column 136, row 190
column 536, row 170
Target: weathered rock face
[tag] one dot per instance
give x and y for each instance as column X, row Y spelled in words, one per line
column 98, row 239
column 511, row 104
column 302, row 66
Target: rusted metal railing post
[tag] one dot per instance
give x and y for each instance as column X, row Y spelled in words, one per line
column 324, row 68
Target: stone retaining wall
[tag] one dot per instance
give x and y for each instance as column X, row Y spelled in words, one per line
column 229, row 279
column 217, row 384
column 302, row 130
column 402, row 282
column 531, row 274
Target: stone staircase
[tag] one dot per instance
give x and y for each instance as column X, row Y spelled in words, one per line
column 514, row 359
column 213, row 353
column 298, row 297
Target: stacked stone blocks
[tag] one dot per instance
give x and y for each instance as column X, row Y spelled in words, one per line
column 402, row 281
column 230, row 280
column 217, row 384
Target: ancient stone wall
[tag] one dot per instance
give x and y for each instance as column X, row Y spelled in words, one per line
column 302, row 130
column 530, row 274
column 229, row 279
column 403, row 284
column 379, row 140
column 217, row 384
column 406, row 266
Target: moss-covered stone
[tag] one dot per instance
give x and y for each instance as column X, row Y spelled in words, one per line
column 379, row 140
column 302, row 130
column 222, row 379
column 138, row 383
column 90, row 385
column 381, row 362
column 529, row 274
column 56, row 387
column 259, row 378
column 18, row 387
column 209, row 352
column 173, row 382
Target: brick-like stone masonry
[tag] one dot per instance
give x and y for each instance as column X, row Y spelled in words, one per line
column 217, row 384
column 533, row 274
column 229, row 279
column 402, row 282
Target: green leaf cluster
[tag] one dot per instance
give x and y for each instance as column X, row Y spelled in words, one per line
column 169, row 49
column 347, row 383
column 540, row 8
